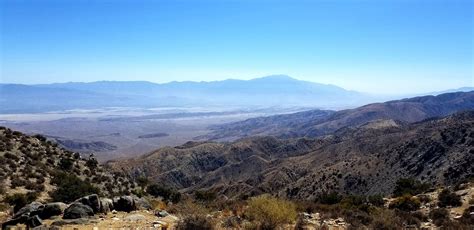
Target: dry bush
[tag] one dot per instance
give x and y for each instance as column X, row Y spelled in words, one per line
column 195, row 222
column 386, row 219
column 406, row 203
column 448, row 198
column 188, row 208
column 270, row 212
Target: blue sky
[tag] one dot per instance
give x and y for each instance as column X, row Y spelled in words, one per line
column 379, row 46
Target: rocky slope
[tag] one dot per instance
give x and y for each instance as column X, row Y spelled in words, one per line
column 30, row 164
column 366, row 159
column 316, row 123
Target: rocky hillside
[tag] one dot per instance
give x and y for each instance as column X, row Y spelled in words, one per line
column 35, row 165
column 367, row 159
column 317, row 123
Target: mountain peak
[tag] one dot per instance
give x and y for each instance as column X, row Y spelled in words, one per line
column 278, row 77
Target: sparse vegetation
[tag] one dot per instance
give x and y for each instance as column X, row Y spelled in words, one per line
column 449, row 198
column 329, row 198
column 164, row 192
column 269, row 212
column 409, row 186
column 70, row 188
column 406, row 203
column 206, row 196
column 195, row 222
column 19, row 200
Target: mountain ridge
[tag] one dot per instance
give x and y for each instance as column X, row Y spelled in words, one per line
column 290, row 125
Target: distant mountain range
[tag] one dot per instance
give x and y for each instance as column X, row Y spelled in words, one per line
column 318, row 122
column 277, row 90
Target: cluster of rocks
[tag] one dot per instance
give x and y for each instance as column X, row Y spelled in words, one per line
column 314, row 221
column 33, row 214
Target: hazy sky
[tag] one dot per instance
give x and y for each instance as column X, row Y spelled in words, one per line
column 379, row 46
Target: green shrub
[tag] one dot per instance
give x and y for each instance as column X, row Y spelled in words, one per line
column 92, row 163
column 19, row 200
column 70, row 187
column 439, row 216
column 164, row 192
column 467, row 218
column 329, row 198
column 11, row 156
column 142, row 181
column 448, row 198
column 406, row 203
column 66, row 163
column 205, row 196
column 385, row 219
column 376, row 200
column 2, row 188
column 409, row 186
column 270, row 212
column 195, row 222
column 40, row 137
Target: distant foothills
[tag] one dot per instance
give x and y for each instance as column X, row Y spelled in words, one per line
column 270, row 91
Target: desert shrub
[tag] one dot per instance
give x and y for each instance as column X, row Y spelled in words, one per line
column 385, row 219
column 142, row 181
column 92, row 163
column 195, row 222
column 19, row 200
column 70, row 188
column 205, row 196
column 353, row 201
column 270, row 212
column 357, row 218
column 50, row 161
column 448, row 198
column 2, row 188
column 164, row 192
column 439, row 216
column 66, row 163
column 467, row 218
column 410, row 218
column 406, row 203
column 40, row 137
column 329, row 198
column 376, row 200
column 188, row 208
column 409, row 186
column 11, row 156
column 34, row 186
column 17, row 181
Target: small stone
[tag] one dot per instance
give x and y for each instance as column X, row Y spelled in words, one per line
column 134, row 217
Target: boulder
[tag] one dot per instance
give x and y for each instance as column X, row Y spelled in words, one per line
column 78, row 210
column 142, row 203
column 34, row 221
column 52, row 209
column 30, row 209
column 92, row 201
column 124, row 203
column 106, row 205
column 15, row 221
column 161, row 213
